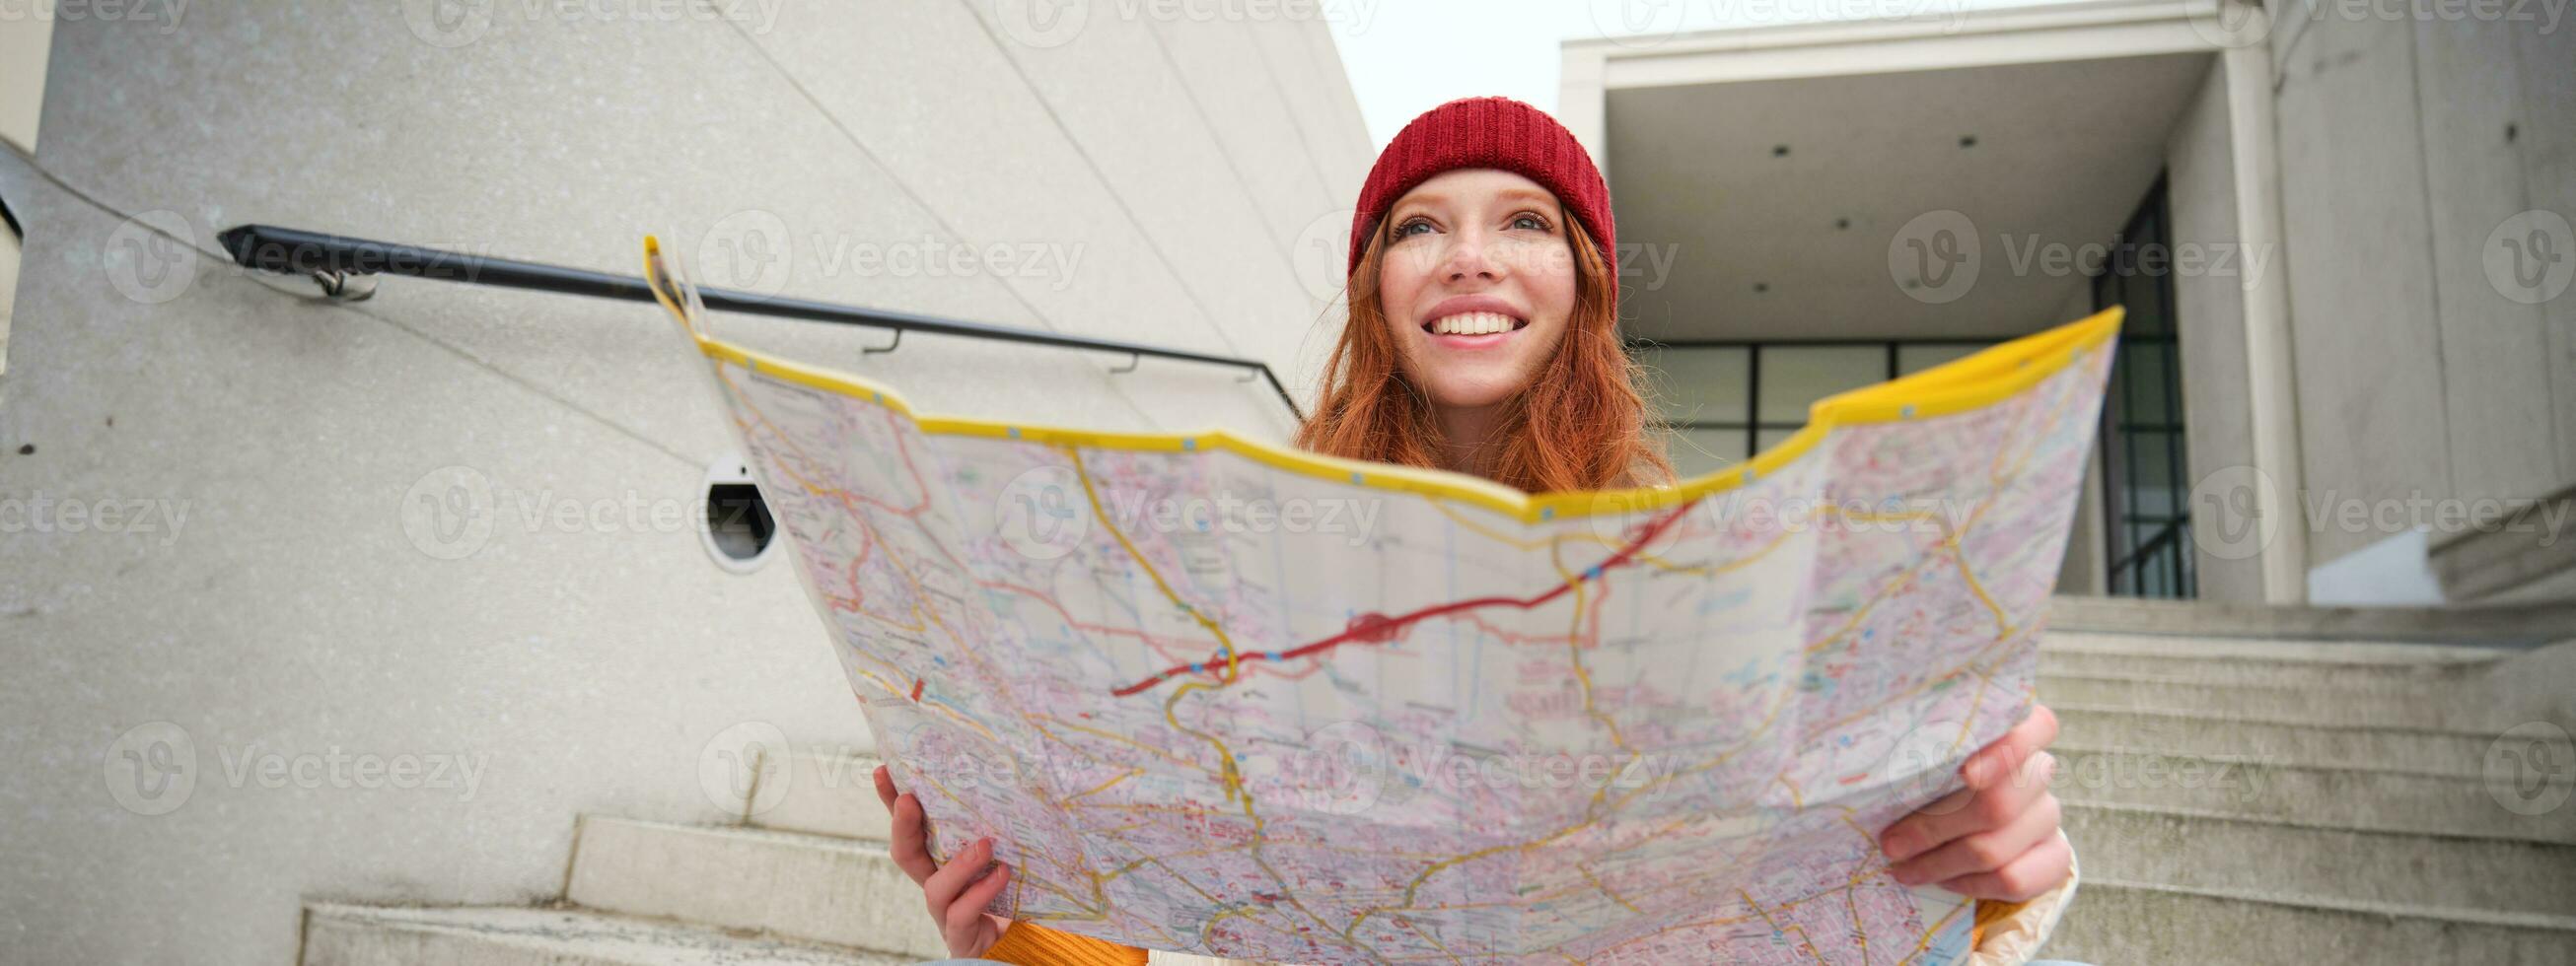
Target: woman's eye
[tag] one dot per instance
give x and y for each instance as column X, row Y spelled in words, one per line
column 1532, row 222
column 1406, row 229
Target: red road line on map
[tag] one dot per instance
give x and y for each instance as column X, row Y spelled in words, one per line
column 1393, row 625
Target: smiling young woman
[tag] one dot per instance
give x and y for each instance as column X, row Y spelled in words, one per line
column 1483, row 338
column 1483, row 333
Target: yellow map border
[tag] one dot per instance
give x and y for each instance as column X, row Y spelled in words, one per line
column 1972, row 382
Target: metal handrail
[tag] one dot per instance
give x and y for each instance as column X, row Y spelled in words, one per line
column 2169, row 535
column 333, row 259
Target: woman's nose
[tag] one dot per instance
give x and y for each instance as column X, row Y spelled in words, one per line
column 1469, row 255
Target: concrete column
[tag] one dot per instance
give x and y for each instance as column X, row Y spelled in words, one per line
column 1583, row 104
column 2271, row 375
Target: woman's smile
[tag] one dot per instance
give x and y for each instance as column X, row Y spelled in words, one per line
column 1473, row 322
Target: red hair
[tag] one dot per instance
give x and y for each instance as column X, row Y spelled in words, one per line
column 1580, row 424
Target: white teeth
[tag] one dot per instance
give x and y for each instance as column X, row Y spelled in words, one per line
column 1472, row 323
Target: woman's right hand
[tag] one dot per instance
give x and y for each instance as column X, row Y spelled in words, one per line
column 956, row 894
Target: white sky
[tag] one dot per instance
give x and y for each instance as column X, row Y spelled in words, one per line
column 1409, row 56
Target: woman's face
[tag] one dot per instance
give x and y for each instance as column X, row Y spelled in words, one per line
column 1477, row 284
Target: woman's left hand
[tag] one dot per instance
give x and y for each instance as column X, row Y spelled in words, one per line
column 1997, row 838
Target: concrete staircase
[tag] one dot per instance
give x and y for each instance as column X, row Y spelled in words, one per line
column 806, row 880
column 2238, row 797
column 2235, row 797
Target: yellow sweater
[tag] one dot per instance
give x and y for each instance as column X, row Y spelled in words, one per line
column 1026, row 944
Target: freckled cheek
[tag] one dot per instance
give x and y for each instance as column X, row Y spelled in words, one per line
column 1547, row 263
column 1396, row 297
column 1406, row 267
column 1525, row 260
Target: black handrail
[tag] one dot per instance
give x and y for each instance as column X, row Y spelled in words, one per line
column 295, row 251
column 2168, row 536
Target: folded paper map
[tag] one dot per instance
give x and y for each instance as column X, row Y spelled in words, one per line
column 1217, row 695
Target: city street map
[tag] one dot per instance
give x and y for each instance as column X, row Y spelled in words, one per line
column 1216, row 695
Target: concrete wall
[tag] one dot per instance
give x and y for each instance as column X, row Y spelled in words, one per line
column 2209, row 306
column 211, row 699
column 23, row 42
column 2418, row 376
column 2087, row 568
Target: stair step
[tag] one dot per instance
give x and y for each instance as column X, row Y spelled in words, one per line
column 2457, row 754
column 348, row 935
column 812, row 888
column 2423, row 707
column 2325, row 650
column 2265, row 663
column 2426, row 871
column 825, row 793
column 2121, row 922
column 2500, row 626
column 2333, row 798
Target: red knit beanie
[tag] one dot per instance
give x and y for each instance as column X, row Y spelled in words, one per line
column 1489, row 132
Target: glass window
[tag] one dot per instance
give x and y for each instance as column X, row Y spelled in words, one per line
column 2146, row 383
column 2115, row 401
column 1911, row 359
column 1698, row 451
column 1701, row 391
column 1794, row 377
column 1764, row 440
column 2152, row 476
column 2143, row 432
column 1697, row 384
